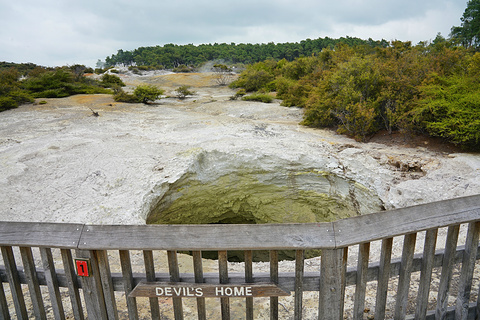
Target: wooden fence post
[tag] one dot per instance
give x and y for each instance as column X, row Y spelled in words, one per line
column 299, row 271
column 33, row 285
column 466, row 275
column 14, row 282
column 92, row 287
column 332, row 284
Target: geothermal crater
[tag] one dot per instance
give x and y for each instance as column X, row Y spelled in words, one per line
column 226, row 188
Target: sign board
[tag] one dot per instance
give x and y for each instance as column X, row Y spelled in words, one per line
column 204, row 290
column 83, row 267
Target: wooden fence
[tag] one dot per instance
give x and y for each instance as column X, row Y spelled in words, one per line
column 37, row 283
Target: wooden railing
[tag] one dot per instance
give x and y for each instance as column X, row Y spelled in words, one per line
column 39, row 277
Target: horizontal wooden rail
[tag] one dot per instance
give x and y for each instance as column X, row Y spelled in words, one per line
column 287, row 280
column 331, row 235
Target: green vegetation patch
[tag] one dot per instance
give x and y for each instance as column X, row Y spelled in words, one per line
column 260, row 97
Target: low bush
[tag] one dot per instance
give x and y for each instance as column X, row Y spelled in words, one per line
column 261, row 97
column 254, row 80
column 183, row 69
column 147, row 93
column 122, row 96
column 141, row 94
column 240, row 93
column 7, row 103
column 184, row 91
column 111, row 80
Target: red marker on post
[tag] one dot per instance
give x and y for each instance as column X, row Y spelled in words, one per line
column 83, row 267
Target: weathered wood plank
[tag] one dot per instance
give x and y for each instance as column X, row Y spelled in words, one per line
column 447, row 268
column 33, row 285
column 150, row 276
column 287, row 279
column 223, row 278
column 4, row 313
column 209, row 237
column 52, row 283
column 404, row 277
column 449, row 314
column 466, row 274
column 350, row 231
column 383, row 277
column 72, row 284
column 426, row 273
column 248, row 279
column 198, row 273
column 274, row 279
column 107, row 284
column 192, row 290
column 377, row 226
column 332, row 284
column 52, row 235
column 476, row 308
column 14, row 282
column 361, row 286
column 175, row 277
column 92, row 287
column 129, row 284
column 299, row 270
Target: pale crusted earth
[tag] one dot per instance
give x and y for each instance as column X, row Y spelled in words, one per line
column 59, row 163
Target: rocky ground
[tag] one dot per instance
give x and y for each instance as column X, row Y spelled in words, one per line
column 60, row 163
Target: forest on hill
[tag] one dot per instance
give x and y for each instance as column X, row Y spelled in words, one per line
column 172, row 56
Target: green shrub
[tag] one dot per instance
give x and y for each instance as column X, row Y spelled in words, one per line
column 7, row 103
column 122, row 96
column 261, row 97
column 293, row 93
column 240, row 93
column 184, row 91
column 147, row 93
column 111, row 80
column 254, row 80
column 450, row 108
column 183, row 69
column 142, row 93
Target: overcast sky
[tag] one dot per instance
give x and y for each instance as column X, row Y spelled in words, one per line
column 66, row 32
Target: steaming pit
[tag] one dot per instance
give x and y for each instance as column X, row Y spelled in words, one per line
column 224, row 188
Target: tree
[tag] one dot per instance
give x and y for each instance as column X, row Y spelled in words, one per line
column 468, row 34
column 147, row 93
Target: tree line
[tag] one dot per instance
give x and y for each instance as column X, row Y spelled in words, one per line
column 171, row 56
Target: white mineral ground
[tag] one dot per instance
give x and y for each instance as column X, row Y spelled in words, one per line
column 59, row 163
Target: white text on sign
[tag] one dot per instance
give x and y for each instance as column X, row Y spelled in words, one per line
column 239, row 291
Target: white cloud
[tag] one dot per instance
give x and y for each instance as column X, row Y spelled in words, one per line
column 55, row 32
column 415, row 29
